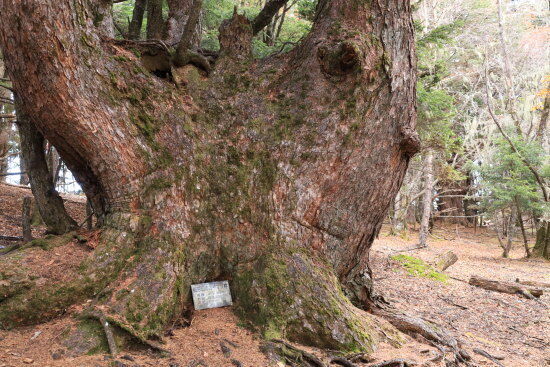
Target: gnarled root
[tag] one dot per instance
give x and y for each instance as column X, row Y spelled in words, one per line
column 451, row 351
column 291, row 354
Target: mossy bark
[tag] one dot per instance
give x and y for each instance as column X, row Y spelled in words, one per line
column 274, row 173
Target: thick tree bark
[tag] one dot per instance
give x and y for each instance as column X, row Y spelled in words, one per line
column 49, row 203
column 134, row 28
column 275, row 174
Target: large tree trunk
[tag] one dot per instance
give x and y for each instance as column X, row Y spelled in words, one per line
column 49, row 203
column 275, row 174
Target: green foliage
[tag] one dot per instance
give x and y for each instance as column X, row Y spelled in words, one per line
column 295, row 26
column 306, row 9
column 215, row 11
column 418, row 268
column 436, row 107
column 506, row 181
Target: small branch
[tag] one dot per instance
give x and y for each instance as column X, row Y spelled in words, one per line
column 452, row 303
column 86, row 220
column 11, row 238
column 12, row 174
column 8, row 88
column 488, row 356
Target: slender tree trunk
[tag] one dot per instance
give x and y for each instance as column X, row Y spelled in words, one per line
column 49, row 203
column 542, row 244
column 102, row 13
column 509, row 232
column 155, row 23
column 5, row 128
column 26, row 218
column 262, row 173
column 522, row 226
column 541, row 135
column 24, row 177
column 508, row 78
column 427, row 201
column 134, row 29
column 178, row 15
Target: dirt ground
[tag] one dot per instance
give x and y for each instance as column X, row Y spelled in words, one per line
column 502, row 324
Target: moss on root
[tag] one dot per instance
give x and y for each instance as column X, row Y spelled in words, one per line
column 34, row 302
column 287, row 295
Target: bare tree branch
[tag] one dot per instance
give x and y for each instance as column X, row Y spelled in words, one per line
column 539, row 179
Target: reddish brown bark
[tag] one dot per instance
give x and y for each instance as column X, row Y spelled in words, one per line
column 273, row 173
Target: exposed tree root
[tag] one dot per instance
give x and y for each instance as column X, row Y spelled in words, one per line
column 294, row 356
column 399, row 362
column 490, row 357
column 342, row 362
column 109, row 335
column 435, row 335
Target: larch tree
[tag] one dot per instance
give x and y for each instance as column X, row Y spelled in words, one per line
column 274, row 173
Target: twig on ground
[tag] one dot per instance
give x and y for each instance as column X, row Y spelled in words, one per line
column 418, row 247
column 11, row 238
column 452, row 303
column 488, row 356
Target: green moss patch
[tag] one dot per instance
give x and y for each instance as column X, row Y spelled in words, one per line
column 418, row 268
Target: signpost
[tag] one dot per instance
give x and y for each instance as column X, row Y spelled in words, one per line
column 211, row 295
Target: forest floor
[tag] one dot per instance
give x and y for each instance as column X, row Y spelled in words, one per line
column 504, row 325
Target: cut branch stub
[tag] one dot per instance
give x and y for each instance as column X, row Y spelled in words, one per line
column 236, row 37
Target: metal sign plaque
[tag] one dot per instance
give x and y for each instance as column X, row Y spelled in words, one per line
column 211, row 295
